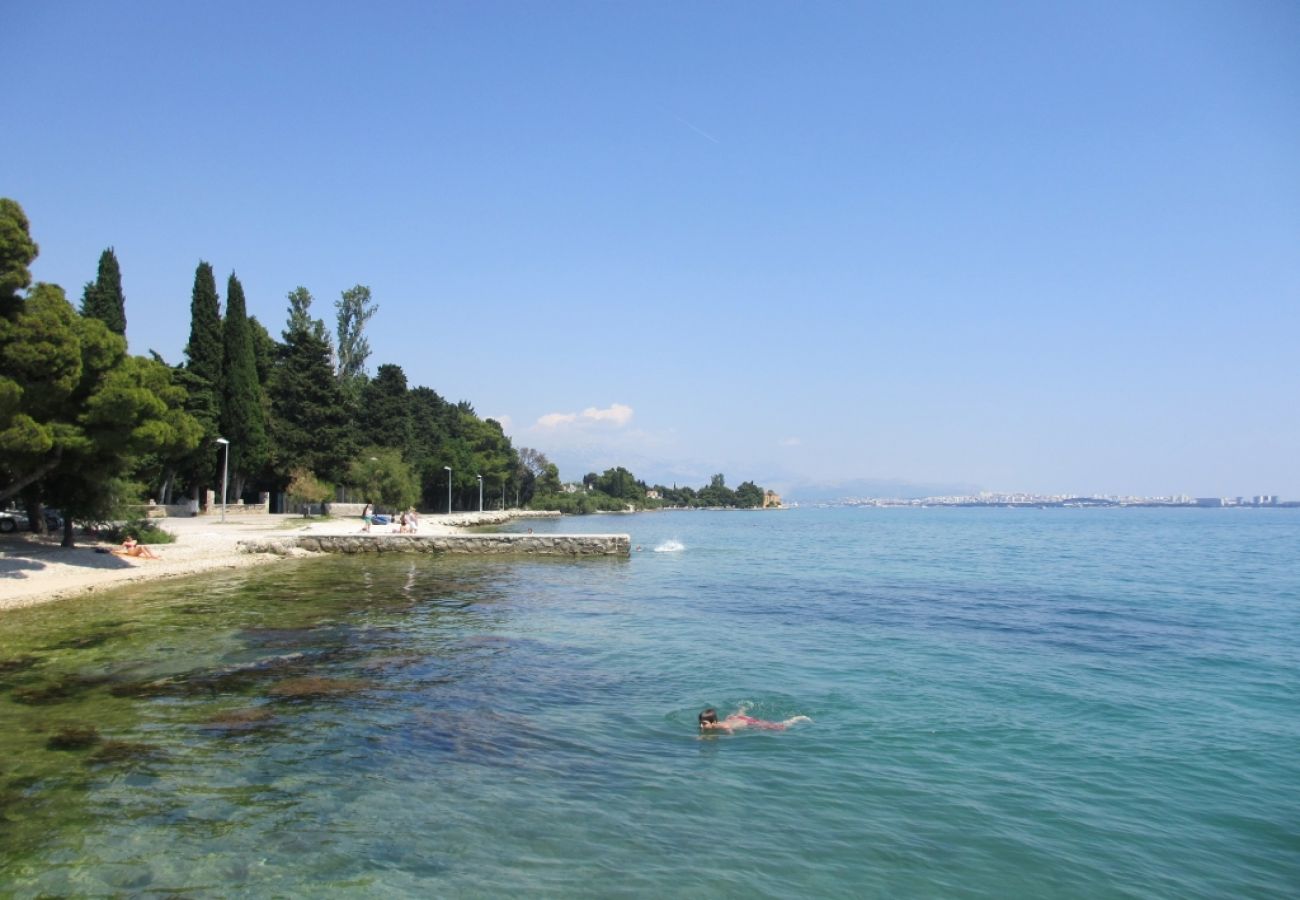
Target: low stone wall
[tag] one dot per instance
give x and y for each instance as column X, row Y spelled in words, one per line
column 565, row 545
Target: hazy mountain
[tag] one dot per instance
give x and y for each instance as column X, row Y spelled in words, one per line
column 859, row 488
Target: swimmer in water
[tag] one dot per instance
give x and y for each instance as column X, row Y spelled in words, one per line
column 738, row 719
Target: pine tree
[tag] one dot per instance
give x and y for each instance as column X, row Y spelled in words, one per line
column 385, row 412
column 17, row 250
column 310, row 425
column 103, row 298
column 243, row 419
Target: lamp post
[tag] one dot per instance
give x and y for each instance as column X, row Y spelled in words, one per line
column 448, row 468
column 225, row 472
column 480, row 492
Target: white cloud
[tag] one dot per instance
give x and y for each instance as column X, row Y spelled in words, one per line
column 554, row 420
column 617, row 414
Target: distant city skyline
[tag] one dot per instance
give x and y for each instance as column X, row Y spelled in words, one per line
column 1001, row 247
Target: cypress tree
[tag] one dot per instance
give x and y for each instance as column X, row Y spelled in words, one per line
column 243, row 420
column 204, row 349
column 103, row 298
column 202, row 380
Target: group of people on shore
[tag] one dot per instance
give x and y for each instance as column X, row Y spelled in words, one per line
column 406, row 522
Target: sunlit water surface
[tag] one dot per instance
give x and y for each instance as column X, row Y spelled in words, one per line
column 1068, row 703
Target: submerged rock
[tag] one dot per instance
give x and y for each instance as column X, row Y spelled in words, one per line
column 74, row 738
column 312, row 686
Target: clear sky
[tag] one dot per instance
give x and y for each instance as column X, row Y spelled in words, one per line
column 1019, row 246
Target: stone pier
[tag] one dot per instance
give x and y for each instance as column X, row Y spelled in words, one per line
column 561, row 545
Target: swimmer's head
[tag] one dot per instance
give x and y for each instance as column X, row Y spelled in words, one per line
column 709, row 716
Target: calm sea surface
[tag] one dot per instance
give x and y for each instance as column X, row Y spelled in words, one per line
column 1006, row 703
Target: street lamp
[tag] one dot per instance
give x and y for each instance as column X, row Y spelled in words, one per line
column 448, row 468
column 480, row 492
column 225, row 472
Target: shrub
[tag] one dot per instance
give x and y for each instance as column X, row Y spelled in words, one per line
column 146, row 531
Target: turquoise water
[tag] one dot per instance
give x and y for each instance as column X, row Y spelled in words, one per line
column 1045, row 703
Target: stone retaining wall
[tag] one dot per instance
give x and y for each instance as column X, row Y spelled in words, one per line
column 565, row 545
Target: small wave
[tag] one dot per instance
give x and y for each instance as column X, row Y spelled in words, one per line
column 670, row 547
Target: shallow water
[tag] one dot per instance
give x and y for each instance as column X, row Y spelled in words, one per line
column 1073, row 703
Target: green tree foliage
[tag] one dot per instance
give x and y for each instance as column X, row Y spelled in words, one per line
column 310, row 427
column 717, row 493
column 306, row 488
column 749, row 495
column 532, row 465
column 204, row 351
column 134, row 409
column 42, row 364
column 620, row 483
column 355, row 309
column 17, row 250
column 617, row 489
column 265, row 349
column 432, row 423
column 490, row 455
column 75, row 410
column 202, row 377
column 383, row 478
column 385, row 411
column 243, row 418
column 103, row 298
column 548, row 482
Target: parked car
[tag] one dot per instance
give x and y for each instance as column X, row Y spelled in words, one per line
column 12, row 520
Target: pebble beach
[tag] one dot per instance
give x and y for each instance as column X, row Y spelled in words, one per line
column 35, row 569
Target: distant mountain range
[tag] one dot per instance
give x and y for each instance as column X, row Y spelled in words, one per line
column 827, row 492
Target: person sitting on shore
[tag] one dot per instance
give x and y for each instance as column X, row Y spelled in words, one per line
column 738, row 720
column 132, row 547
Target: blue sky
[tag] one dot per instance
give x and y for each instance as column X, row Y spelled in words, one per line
column 1019, row 246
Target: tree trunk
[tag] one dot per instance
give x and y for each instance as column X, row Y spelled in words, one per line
column 36, row 516
column 165, row 489
column 67, row 532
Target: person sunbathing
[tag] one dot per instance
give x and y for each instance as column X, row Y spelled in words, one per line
column 738, row 720
column 132, row 547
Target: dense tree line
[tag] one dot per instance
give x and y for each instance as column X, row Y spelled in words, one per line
column 87, row 427
column 78, row 415
column 618, row 489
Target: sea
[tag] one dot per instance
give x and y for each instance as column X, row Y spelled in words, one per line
column 1087, row 703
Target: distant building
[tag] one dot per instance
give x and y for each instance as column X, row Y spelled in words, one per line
column 771, row 498
column 652, row 494
column 1210, row 501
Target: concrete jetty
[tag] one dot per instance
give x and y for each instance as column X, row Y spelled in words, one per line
column 556, row 545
